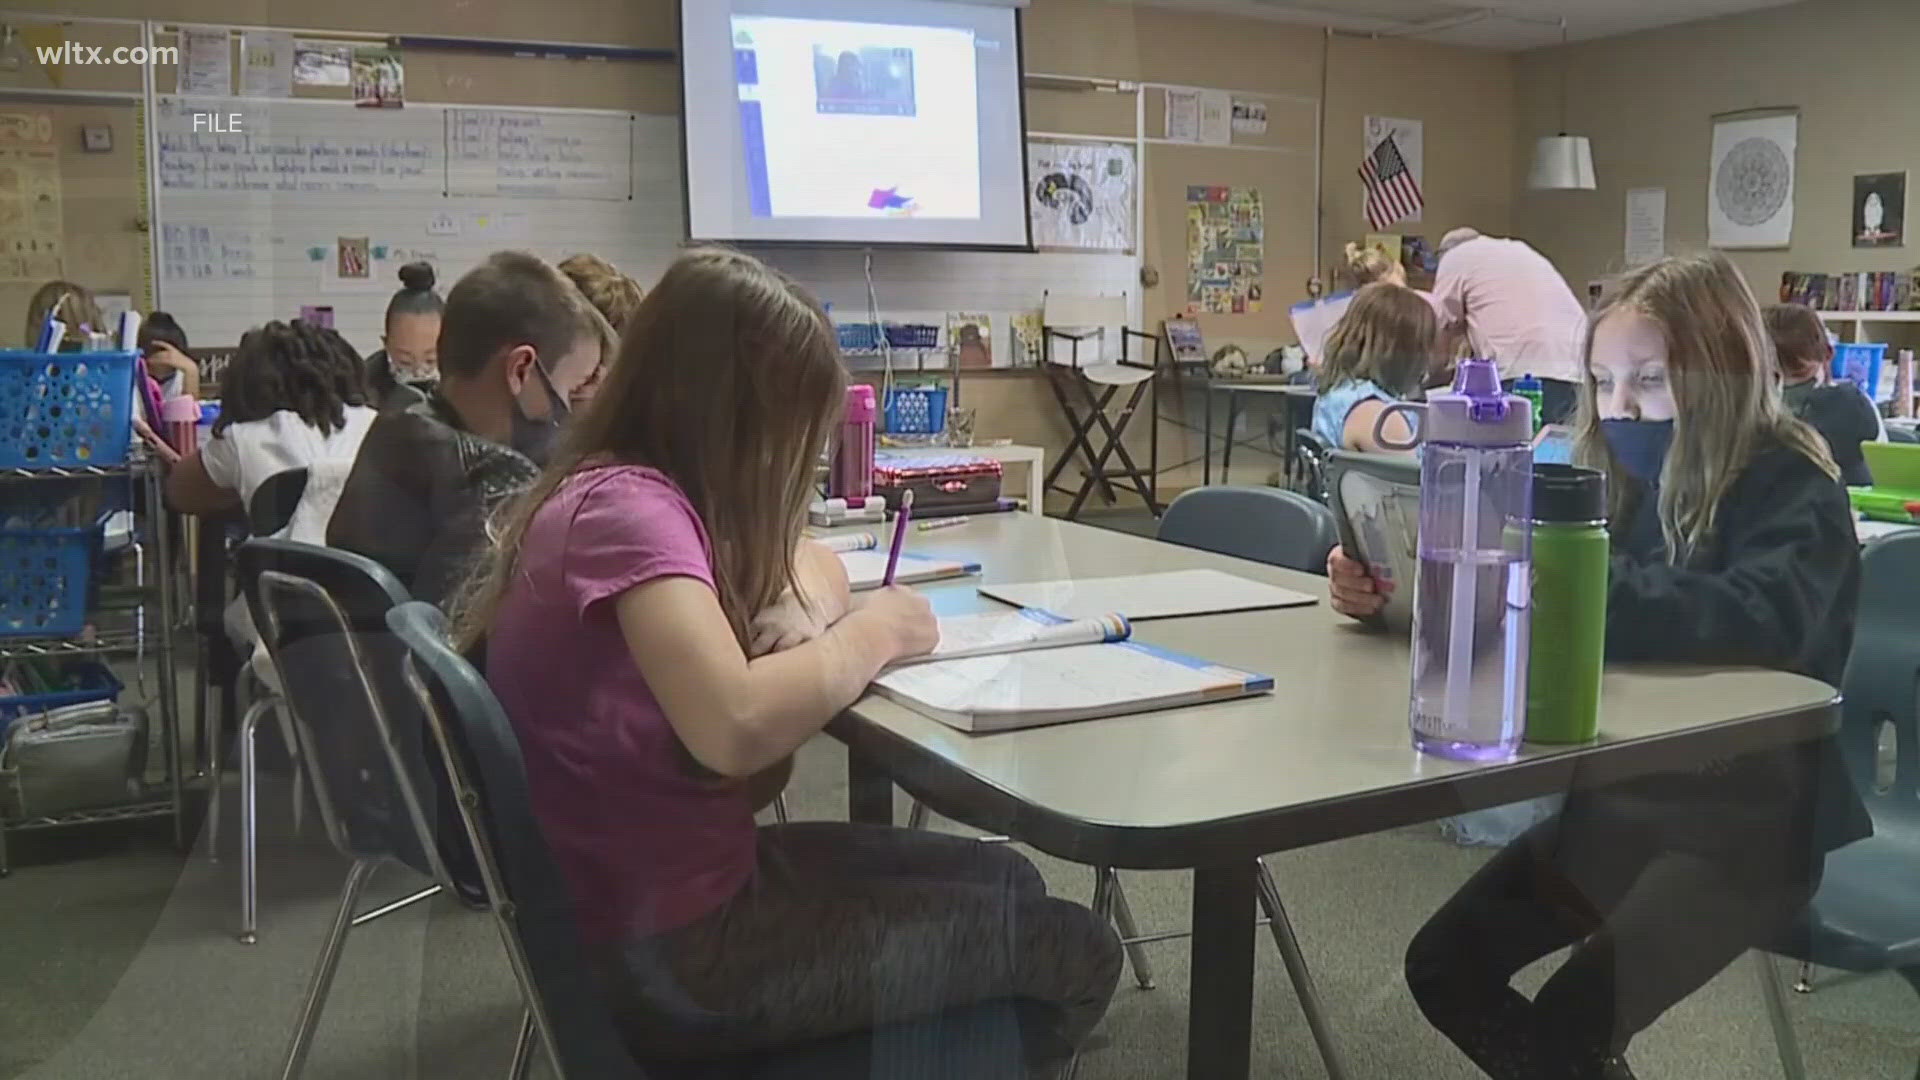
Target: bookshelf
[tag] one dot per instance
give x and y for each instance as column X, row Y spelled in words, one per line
column 1871, row 316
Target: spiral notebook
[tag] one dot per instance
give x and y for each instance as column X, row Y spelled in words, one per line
column 866, row 563
column 1005, row 671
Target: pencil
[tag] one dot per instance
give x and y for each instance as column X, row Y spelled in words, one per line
column 900, row 521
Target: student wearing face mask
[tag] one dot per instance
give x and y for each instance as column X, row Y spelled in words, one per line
column 517, row 341
column 403, row 372
column 1733, row 544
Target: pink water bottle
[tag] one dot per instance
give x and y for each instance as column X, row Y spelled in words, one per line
column 852, row 476
column 181, row 418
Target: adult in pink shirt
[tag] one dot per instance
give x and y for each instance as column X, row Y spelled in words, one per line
column 1516, row 310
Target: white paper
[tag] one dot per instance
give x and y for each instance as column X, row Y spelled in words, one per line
column 1147, row 596
column 1003, row 632
column 1081, row 195
column 206, row 62
column 1216, row 117
column 1183, row 115
column 1750, row 187
column 1646, row 226
column 443, row 223
column 266, row 63
column 1249, row 117
column 867, row 569
column 322, row 63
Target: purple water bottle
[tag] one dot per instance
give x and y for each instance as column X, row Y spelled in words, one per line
column 1472, row 591
column 852, row 475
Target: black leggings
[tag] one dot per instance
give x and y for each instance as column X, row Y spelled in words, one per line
column 1648, row 927
column 848, row 927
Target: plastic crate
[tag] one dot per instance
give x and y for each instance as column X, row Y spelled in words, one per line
column 917, row 411
column 91, row 681
column 1860, row 365
column 913, row 336
column 65, row 409
column 858, row 337
column 45, row 580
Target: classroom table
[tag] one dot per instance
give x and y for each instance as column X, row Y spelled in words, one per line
column 1214, row 787
column 1292, row 396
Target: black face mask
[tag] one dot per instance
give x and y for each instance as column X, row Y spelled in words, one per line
column 536, row 438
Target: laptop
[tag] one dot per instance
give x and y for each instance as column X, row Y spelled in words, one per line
column 1376, row 504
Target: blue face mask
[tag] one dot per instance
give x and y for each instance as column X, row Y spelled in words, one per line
column 1640, row 446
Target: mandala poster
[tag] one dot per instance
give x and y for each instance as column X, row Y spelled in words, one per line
column 1082, row 196
column 1750, row 187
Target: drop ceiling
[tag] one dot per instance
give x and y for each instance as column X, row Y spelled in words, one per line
column 1510, row 25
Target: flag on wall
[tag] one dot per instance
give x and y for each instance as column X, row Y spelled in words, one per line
column 1393, row 193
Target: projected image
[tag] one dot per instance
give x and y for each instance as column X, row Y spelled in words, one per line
column 832, row 125
column 869, row 81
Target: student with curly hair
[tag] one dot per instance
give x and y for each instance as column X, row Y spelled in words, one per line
column 295, row 395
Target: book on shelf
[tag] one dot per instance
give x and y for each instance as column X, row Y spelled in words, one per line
column 1008, row 670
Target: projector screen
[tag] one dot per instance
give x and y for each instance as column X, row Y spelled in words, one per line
column 854, row 122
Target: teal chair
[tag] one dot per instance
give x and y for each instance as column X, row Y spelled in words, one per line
column 1866, row 916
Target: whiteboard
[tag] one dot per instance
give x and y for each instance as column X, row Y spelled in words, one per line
column 249, row 225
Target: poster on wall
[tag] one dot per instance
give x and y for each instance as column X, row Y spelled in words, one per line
column 1226, row 246
column 206, row 62
column 30, row 216
column 322, row 63
column 1083, row 195
column 1394, row 196
column 266, row 63
column 379, row 78
column 1879, row 210
column 1646, row 226
column 1750, row 188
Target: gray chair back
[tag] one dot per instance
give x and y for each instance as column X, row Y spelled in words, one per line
column 1264, row 524
column 1901, row 434
column 1882, row 684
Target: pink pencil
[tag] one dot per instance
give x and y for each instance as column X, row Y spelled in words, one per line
column 900, row 521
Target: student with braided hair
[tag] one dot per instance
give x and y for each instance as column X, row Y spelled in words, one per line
column 294, row 396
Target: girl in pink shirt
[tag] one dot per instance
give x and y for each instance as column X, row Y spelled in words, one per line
column 620, row 610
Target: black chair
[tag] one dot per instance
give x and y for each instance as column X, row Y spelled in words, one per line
column 1866, row 916
column 565, row 1014
column 274, row 501
column 1264, row 524
column 321, row 614
column 1310, row 457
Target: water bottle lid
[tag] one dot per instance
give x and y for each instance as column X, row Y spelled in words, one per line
column 1529, row 381
column 1476, row 412
column 1568, row 494
column 861, row 405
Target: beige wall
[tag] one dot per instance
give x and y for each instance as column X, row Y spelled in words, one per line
column 1647, row 103
column 1464, row 96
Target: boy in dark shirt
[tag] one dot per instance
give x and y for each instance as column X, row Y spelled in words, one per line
column 1838, row 411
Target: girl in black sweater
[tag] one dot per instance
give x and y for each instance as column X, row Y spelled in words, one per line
column 1733, row 544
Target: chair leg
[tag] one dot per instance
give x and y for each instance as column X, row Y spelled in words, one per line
column 917, row 815
column 1776, row 997
column 322, row 980
column 1079, row 426
column 250, row 821
column 780, row 808
column 523, row 1047
column 1283, row 936
column 1803, row 978
column 1123, row 921
column 211, row 719
column 1102, row 905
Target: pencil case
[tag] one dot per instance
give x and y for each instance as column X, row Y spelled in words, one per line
column 936, row 482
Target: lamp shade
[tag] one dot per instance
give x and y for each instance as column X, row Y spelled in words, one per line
column 1562, row 163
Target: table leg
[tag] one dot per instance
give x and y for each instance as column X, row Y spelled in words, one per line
column 1220, row 999
column 1206, row 444
column 1036, row 491
column 869, row 792
column 1233, row 419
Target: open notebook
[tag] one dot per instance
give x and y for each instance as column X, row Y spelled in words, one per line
column 866, row 563
column 1148, row 596
column 1002, row 671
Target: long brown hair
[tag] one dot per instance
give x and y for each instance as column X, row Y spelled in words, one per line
column 1388, row 334
column 1727, row 407
column 729, row 380
column 71, row 304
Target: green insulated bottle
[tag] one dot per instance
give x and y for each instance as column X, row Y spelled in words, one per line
column 1570, row 549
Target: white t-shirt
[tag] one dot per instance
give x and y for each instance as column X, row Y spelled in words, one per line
column 246, row 454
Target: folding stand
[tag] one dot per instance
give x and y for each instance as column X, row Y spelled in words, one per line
column 1086, row 408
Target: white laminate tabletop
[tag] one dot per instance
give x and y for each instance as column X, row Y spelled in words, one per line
column 1333, row 735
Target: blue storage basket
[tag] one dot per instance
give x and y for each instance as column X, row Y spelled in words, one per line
column 913, row 336
column 917, row 411
column 858, row 337
column 45, row 579
column 94, row 682
column 1860, row 365
column 65, row 409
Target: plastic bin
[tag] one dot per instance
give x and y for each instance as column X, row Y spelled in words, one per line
column 912, row 336
column 917, row 411
column 1860, row 365
column 858, row 337
column 65, row 409
column 45, row 580
column 92, row 681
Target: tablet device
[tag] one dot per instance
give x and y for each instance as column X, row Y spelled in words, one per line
column 1376, row 504
column 1553, row 445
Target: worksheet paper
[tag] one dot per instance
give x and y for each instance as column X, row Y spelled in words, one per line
column 867, row 569
column 1016, row 631
column 1148, row 596
column 1183, row 116
column 206, row 62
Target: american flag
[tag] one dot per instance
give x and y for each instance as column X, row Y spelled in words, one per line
column 1392, row 193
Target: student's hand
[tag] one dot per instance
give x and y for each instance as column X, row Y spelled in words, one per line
column 789, row 622
column 164, row 359
column 1355, row 592
column 906, row 619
